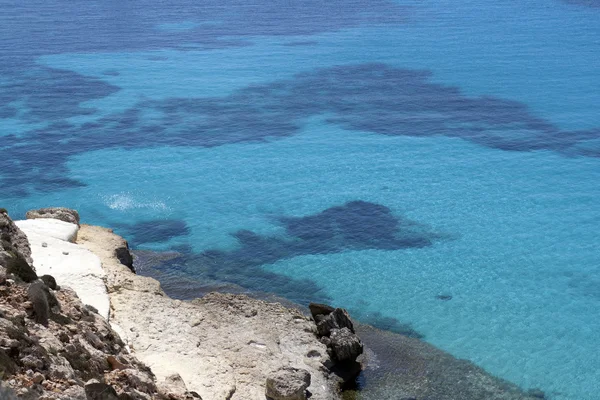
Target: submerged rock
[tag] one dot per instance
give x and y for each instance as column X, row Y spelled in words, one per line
column 288, row 384
column 60, row 213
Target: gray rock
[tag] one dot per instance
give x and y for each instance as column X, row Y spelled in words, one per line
column 124, row 255
column 288, row 384
column 320, row 309
column 15, row 252
column 337, row 319
column 10, row 232
column 61, row 213
column 39, row 299
column 174, row 384
column 346, row 346
column 49, row 281
column 96, row 390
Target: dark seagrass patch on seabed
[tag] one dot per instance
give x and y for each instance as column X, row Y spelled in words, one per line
column 154, row 231
column 356, row 225
column 369, row 97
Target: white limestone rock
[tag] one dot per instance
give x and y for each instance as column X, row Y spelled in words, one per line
column 70, row 264
column 50, row 227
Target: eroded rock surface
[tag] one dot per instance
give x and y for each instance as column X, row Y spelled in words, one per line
column 288, row 384
column 53, row 347
column 60, row 213
column 223, row 346
column 15, row 252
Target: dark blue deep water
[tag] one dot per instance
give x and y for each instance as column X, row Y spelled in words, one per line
column 379, row 155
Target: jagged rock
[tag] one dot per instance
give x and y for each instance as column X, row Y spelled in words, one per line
column 124, row 256
column 346, row 346
column 60, row 213
column 337, row 319
column 15, row 252
column 317, row 309
column 288, row 384
column 96, row 390
column 10, row 232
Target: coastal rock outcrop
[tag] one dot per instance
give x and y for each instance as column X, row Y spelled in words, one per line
column 60, row 213
column 336, row 330
column 53, row 347
column 54, row 254
column 224, row 346
column 15, row 252
column 288, row 384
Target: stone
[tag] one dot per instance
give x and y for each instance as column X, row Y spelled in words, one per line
column 96, row 390
column 346, row 345
column 81, row 270
column 175, row 384
column 52, row 228
column 38, row 378
column 49, row 281
column 337, row 319
column 124, row 256
column 288, row 384
column 60, row 213
column 36, row 293
column 11, row 233
column 320, row 309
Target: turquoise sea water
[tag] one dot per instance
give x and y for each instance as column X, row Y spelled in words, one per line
column 375, row 155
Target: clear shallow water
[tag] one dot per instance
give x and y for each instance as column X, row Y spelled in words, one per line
column 374, row 160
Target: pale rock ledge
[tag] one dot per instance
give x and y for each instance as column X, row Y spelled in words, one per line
column 70, row 264
column 223, row 346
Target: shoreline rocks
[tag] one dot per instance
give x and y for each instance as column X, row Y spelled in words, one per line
column 54, row 346
column 223, row 346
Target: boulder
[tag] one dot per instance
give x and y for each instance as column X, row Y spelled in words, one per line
column 61, row 213
column 346, row 346
column 96, row 390
column 317, row 309
column 10, row 232
column 288, row 384
column 15, row 252
column 337, row 319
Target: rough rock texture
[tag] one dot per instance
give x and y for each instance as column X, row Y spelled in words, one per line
column 15, row 252
column 60, row 213
column 223, row 346
column 124, row 256
column 288, row 384
column 51, row 343
column 50, row 227
column 345, row 345
column 336, row 330
column 53, row 362
column 336, row 319
column 72, row 265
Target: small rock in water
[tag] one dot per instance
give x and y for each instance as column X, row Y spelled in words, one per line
column 44, row 244
column 444, row 297
column 66, row 253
